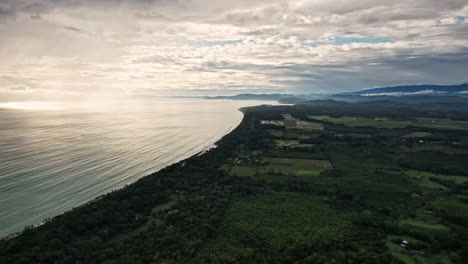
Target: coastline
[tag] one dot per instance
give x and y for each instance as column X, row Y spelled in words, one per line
column 183, row 158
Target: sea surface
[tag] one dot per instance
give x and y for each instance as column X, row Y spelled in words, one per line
column 54, row 157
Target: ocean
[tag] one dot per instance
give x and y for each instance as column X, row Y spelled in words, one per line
column 55, row 158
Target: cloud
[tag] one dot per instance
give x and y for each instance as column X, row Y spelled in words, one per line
column 76, row 48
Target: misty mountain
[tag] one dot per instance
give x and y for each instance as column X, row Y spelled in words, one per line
column 460, row 90
column 269, row 97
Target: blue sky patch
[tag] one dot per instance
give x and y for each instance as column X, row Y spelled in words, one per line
column 460, row 19
column 338, row 41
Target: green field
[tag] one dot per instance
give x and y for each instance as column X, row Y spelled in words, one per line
column 383, row 122
column 243, row 171
column 276, row 133
column 291, row 166
column 413, row 224
column 291, row 144
column 307, row 173
column 417, row 135
column 405, row 257
column 362, row 121
column 428, row 175
column 356, row 135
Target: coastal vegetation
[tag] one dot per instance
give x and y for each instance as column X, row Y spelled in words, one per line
column 322, row 182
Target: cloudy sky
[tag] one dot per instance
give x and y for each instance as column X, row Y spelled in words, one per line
column 74, row 48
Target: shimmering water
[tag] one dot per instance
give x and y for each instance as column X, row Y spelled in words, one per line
column 54, row 160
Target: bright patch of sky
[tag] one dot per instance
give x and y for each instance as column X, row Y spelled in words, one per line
column 205, row 43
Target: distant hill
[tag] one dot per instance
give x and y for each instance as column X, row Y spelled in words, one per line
column 404, row 94
column 268, row 97
column 460, row 90
column 291, row 98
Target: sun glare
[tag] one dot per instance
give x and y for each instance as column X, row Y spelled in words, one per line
column 31, row 105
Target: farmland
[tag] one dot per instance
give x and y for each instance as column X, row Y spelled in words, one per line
column 389, row 123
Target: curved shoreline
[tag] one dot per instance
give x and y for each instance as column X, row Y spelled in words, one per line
column 182, row 157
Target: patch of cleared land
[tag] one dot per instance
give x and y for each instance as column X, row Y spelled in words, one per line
column 292, row 166
column 425, row 175
column 413, row 224
column 377, row 122
column 243, row 171
column 362, row 121
column 291, row 144
column 356, row 135
column 417, row 135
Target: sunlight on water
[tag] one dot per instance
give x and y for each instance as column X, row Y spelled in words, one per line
column 52, row 161
column 32, row 105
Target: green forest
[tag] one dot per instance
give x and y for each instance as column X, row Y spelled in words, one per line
column 319, row 182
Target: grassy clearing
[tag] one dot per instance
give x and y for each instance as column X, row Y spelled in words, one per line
column 435, row 161
column 417, row 135
column 423, row 180
column 290, row 124
column 464, row 122
column 454, row 208
column 291, row 144
column 398, row 252
column 243, row 171
column 305, row 125
column 298, row 134
column 291, row 166
column 274, row 221
column 286, row 142
column 276, row 133
column 294, row 153
column 391, row 123
column 412, row 224
column 441, row 147
column 427, row 175
column 307, row 173
column 403, row 255
column 356, row 135
column 362, row 121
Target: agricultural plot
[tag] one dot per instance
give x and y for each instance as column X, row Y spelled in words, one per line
column 290, row 122
column 404, row 255
column 362, row 121
column 291, row 144
column 384, row 122
column 298, row 134
column 435, row 161
column 290, row 166
column 453, row 207
column 310, row 126
column 276, row 133
column 441, row 123
column 358, row 135
column 286, row 143
column 414, row 224
column 243, row 171
column 425, row 175
column 270, row 222
column 417, row 135
column 440, row 147
column 294, row 153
